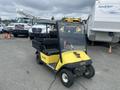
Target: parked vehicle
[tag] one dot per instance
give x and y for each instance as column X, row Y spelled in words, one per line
column 104, row 23
column 41, row 26
column 64, row 50
column 1, row 28
column 21, row 26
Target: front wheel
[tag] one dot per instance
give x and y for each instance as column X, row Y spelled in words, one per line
column 90, row 72
column 66, row 77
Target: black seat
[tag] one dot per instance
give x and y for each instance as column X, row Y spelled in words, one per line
column 51, row 51
column 36, row 45
column 42, row 35
column 46, row 42
column 50, row 43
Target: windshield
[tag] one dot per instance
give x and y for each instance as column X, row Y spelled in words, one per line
column 71, row 36
column 24, row 20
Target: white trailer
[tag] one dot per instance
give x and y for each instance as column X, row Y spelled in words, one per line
column 104, row 24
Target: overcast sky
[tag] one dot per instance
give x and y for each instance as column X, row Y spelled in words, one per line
column 45, row 8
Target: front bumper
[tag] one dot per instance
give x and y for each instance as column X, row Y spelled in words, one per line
column 20, row 32
column 78, row 64
column 78, row 68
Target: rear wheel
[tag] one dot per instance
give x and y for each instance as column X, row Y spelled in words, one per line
column 66, row 77
column 90, row 72
column 31, row 37
column 38, row 59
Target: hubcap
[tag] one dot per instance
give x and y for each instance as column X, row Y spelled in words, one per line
column 65, row 77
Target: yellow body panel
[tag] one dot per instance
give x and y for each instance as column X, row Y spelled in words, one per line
column 72, row 19
column 49, row 59
column 67, row 58
column 70, row 57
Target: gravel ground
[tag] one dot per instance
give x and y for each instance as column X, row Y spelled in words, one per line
column 19, row 70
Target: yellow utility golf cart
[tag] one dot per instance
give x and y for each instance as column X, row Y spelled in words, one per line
column 64, row 50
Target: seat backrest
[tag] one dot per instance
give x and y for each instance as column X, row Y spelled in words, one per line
column 39, row 37
column 48, row 40
column 50, row 43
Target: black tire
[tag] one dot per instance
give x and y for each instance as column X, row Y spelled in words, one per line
column 15, row 35
column 90, row 72
column 38, row 59
column 27, row 36
column 69, row 78
column 31, row 37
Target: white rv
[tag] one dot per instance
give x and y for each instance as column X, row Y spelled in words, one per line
column 105, row 25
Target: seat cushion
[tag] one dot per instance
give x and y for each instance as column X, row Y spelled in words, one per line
column 51, row 51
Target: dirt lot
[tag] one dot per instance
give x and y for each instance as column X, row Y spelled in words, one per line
column 19, row 70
